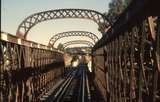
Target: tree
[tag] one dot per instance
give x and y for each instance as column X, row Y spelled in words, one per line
column 116, row 7
column 60, row 47
column 127, row 2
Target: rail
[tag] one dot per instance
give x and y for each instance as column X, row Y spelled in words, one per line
column 73, row 88
column 59, row 95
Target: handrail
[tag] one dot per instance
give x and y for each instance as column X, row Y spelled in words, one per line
column 28, row 66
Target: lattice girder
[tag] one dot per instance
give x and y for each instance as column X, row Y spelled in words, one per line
column 58, row 36
column 36, row 18
column 88, row 43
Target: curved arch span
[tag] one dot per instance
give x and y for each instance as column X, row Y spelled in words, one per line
column 88, row 43
column 58, row 36
column 36, row 18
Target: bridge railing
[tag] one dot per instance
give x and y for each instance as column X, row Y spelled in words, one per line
column 27, row 69
column 127, row 58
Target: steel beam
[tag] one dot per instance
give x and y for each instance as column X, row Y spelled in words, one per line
column 88, row 43
column 58, row 36
column 36, row 18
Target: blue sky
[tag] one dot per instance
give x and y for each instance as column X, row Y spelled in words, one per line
column 15, row 11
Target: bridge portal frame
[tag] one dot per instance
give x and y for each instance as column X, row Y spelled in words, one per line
column 36, row 18
column 90, row 44
column 58, row 36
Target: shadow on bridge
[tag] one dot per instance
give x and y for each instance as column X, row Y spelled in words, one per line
column 125, row 62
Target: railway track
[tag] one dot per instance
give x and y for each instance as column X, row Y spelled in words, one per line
column 75, row 87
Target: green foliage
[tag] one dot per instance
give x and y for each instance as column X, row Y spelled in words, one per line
column 67, row 50
column 127, row 2
column 60, row 47
column 116, row 7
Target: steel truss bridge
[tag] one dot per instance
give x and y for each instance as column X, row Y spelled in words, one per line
column 125, row 62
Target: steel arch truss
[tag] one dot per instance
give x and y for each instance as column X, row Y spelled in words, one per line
column 36, row 18
column 88, row 43
column 72, row 33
